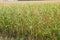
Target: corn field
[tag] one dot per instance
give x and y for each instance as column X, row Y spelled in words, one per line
column 30, row 22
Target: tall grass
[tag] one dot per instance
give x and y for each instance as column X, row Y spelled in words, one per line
column 30, row 22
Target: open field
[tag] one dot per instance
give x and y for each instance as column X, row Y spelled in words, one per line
column 30, row 21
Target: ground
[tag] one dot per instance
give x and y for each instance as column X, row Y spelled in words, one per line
column 26, row 2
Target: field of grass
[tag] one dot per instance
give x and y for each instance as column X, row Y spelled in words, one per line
column 30, row 22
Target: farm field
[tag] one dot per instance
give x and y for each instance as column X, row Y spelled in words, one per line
column 30, row 20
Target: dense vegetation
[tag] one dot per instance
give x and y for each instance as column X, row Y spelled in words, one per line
column 30, row 22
